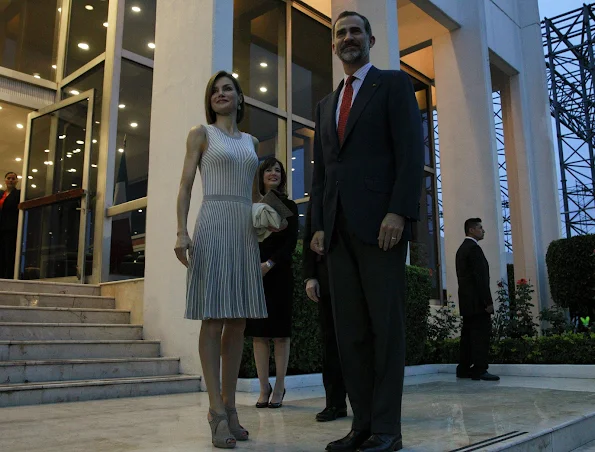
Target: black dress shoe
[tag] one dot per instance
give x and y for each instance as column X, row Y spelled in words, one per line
column 382, row 442
column 465, row 375
column 331, row 413
column 486, row 377
column 353, row 440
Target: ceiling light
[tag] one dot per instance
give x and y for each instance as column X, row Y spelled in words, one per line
column 93, row 165
column 33, row 186
column 120, row 150
column 133, row 124
column 301, row 214
column 136, row 9
column 47, row 150
column 0, row 108
column 76, row 151
column 54, row 66
column 59, row 10
column 36, row 75
column 69, row 156
column 293, row 158
column 122, row 106
column 48, row 163
column 235, row 75
column 18, row 159
column 74, row 185
column 263, row 64
column 140, row 210
column 263, row 89
column 89, row 7
column 33, row 170
column 312, row 162
column 20, row 126
column 94, row 141
column 29, row 177
column 292, row 169
column 72, row 170
column 19, row 177
column 151, row 45
column 105, row 24
column 61, row 137
column 305, row 194
column 97, row 122
column 83, row 45
column 75, row 92
column 80, row 142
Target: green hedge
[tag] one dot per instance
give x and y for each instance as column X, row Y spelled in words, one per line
column 561, row 349
column 306, row 345
column 571, row 273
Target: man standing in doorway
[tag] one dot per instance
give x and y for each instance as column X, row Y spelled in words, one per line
column 475, row 304
column 368, row 167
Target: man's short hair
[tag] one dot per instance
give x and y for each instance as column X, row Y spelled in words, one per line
column 367, row 25
column 471, row 223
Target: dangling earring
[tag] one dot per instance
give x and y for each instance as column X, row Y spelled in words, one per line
column 239, row 107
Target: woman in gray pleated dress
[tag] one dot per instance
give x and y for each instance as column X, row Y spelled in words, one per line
column 224, row 283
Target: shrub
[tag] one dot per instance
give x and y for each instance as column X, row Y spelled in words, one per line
column 510, row 279
column 557, row 320
column 514, row 318
column 306, row 345
column 571, row 273
column 444, row 323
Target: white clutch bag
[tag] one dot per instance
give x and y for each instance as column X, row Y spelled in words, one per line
column 264, row 217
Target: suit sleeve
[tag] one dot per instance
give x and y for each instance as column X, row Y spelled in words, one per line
column 407, row 147
column 285, row 251
column 309, row 256
column 480, row 276
column 318, row 174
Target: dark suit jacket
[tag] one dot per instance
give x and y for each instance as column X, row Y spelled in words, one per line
column 379, row 167
column 473, row 275
column 314, row 265
column 9, row 214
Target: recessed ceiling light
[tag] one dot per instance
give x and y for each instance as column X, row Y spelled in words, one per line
column 301, row 214
column 29, row 177
column 72, row 170
column 305, row 194
column 136, row 9
column 293, row 158
column 18, row 159
column 59, row 10
column 97, row 122
column 140, row 210
column 292, row 169
column 80, row 142
column 312, row 162
column 89, row 7
column 48, row 162
column 33, row 186
column 105, row 24
column 69, row 156
column 76, row 151
column 74, row 185
column 0, row 108
column 133, row 124
column 94, row 141
column 61, row 137
column 122, row 106
column 264, row 64
column 20, row 126
column 263, row 89
column 235, row 75
column 36, row 76
column 33, row 170
column 93, row 165
column 120, row 150
column 83, row 45
column 19, row 177
column 151, row 45
column 47, row 150
column 74, row 92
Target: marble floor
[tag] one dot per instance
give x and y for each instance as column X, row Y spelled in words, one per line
column 440, row 413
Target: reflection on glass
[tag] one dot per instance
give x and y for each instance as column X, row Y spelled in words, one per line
column 86, row 36
column 50, row 241
column 259, row 42
column 302, row 156
column 422, row 94
column 29, row 36
column 134, row 119
column 127, row 255
column 302, row 207
column 312, row 68
column 139, row 27
column 268, row 128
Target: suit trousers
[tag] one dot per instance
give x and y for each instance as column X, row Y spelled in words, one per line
column 475, row 344
column 368, row 295
column 8, row 248
column 332, row 377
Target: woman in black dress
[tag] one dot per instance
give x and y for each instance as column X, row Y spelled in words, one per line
column 276, row 256
column 9, row 221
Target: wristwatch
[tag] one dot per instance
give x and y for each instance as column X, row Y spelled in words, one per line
column 269, row 264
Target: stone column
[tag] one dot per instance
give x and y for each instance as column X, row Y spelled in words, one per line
column 468, row 153
column 193, row 39
column 530, row 160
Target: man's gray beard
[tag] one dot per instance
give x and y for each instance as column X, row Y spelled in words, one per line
column 355, row 56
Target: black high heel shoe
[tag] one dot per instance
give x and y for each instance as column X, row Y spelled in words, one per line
column 280, row 404
column 265, row 404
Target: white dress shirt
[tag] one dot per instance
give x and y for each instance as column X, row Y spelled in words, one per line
column 359, row 75
column 471, row 238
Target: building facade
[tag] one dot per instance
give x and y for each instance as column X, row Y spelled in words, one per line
column 113, row 88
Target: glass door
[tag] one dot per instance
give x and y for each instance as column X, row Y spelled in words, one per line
column 54, row 219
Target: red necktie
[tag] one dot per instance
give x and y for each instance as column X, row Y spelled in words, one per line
column 345, row 107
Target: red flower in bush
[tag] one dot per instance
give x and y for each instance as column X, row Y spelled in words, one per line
column 431, row 272
column 522, row 282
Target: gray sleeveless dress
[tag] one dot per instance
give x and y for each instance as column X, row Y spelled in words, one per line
column 224, row 279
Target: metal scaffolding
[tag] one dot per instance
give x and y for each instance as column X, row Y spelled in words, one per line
column 502, row 176
column 568, row 40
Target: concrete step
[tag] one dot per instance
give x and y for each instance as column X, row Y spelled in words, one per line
column 12, row 372
column 40, row 299
column 44, row 350
column 11, row 285
column 74, row 391
column 62, row 315
column 68, row 331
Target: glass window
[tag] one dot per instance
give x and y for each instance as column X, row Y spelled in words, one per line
column 127, row 255
column 29, row 36
column 259, row 43
column 12, row 139
column 86, row 36
column 134, row 120
column 139, row 27
column 302, row 156
column 312, row 70
column 268, row 128
column 302, row 207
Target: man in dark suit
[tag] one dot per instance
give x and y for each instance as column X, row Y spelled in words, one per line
column 475, row 304
column 316, row 279
column 368, row 167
